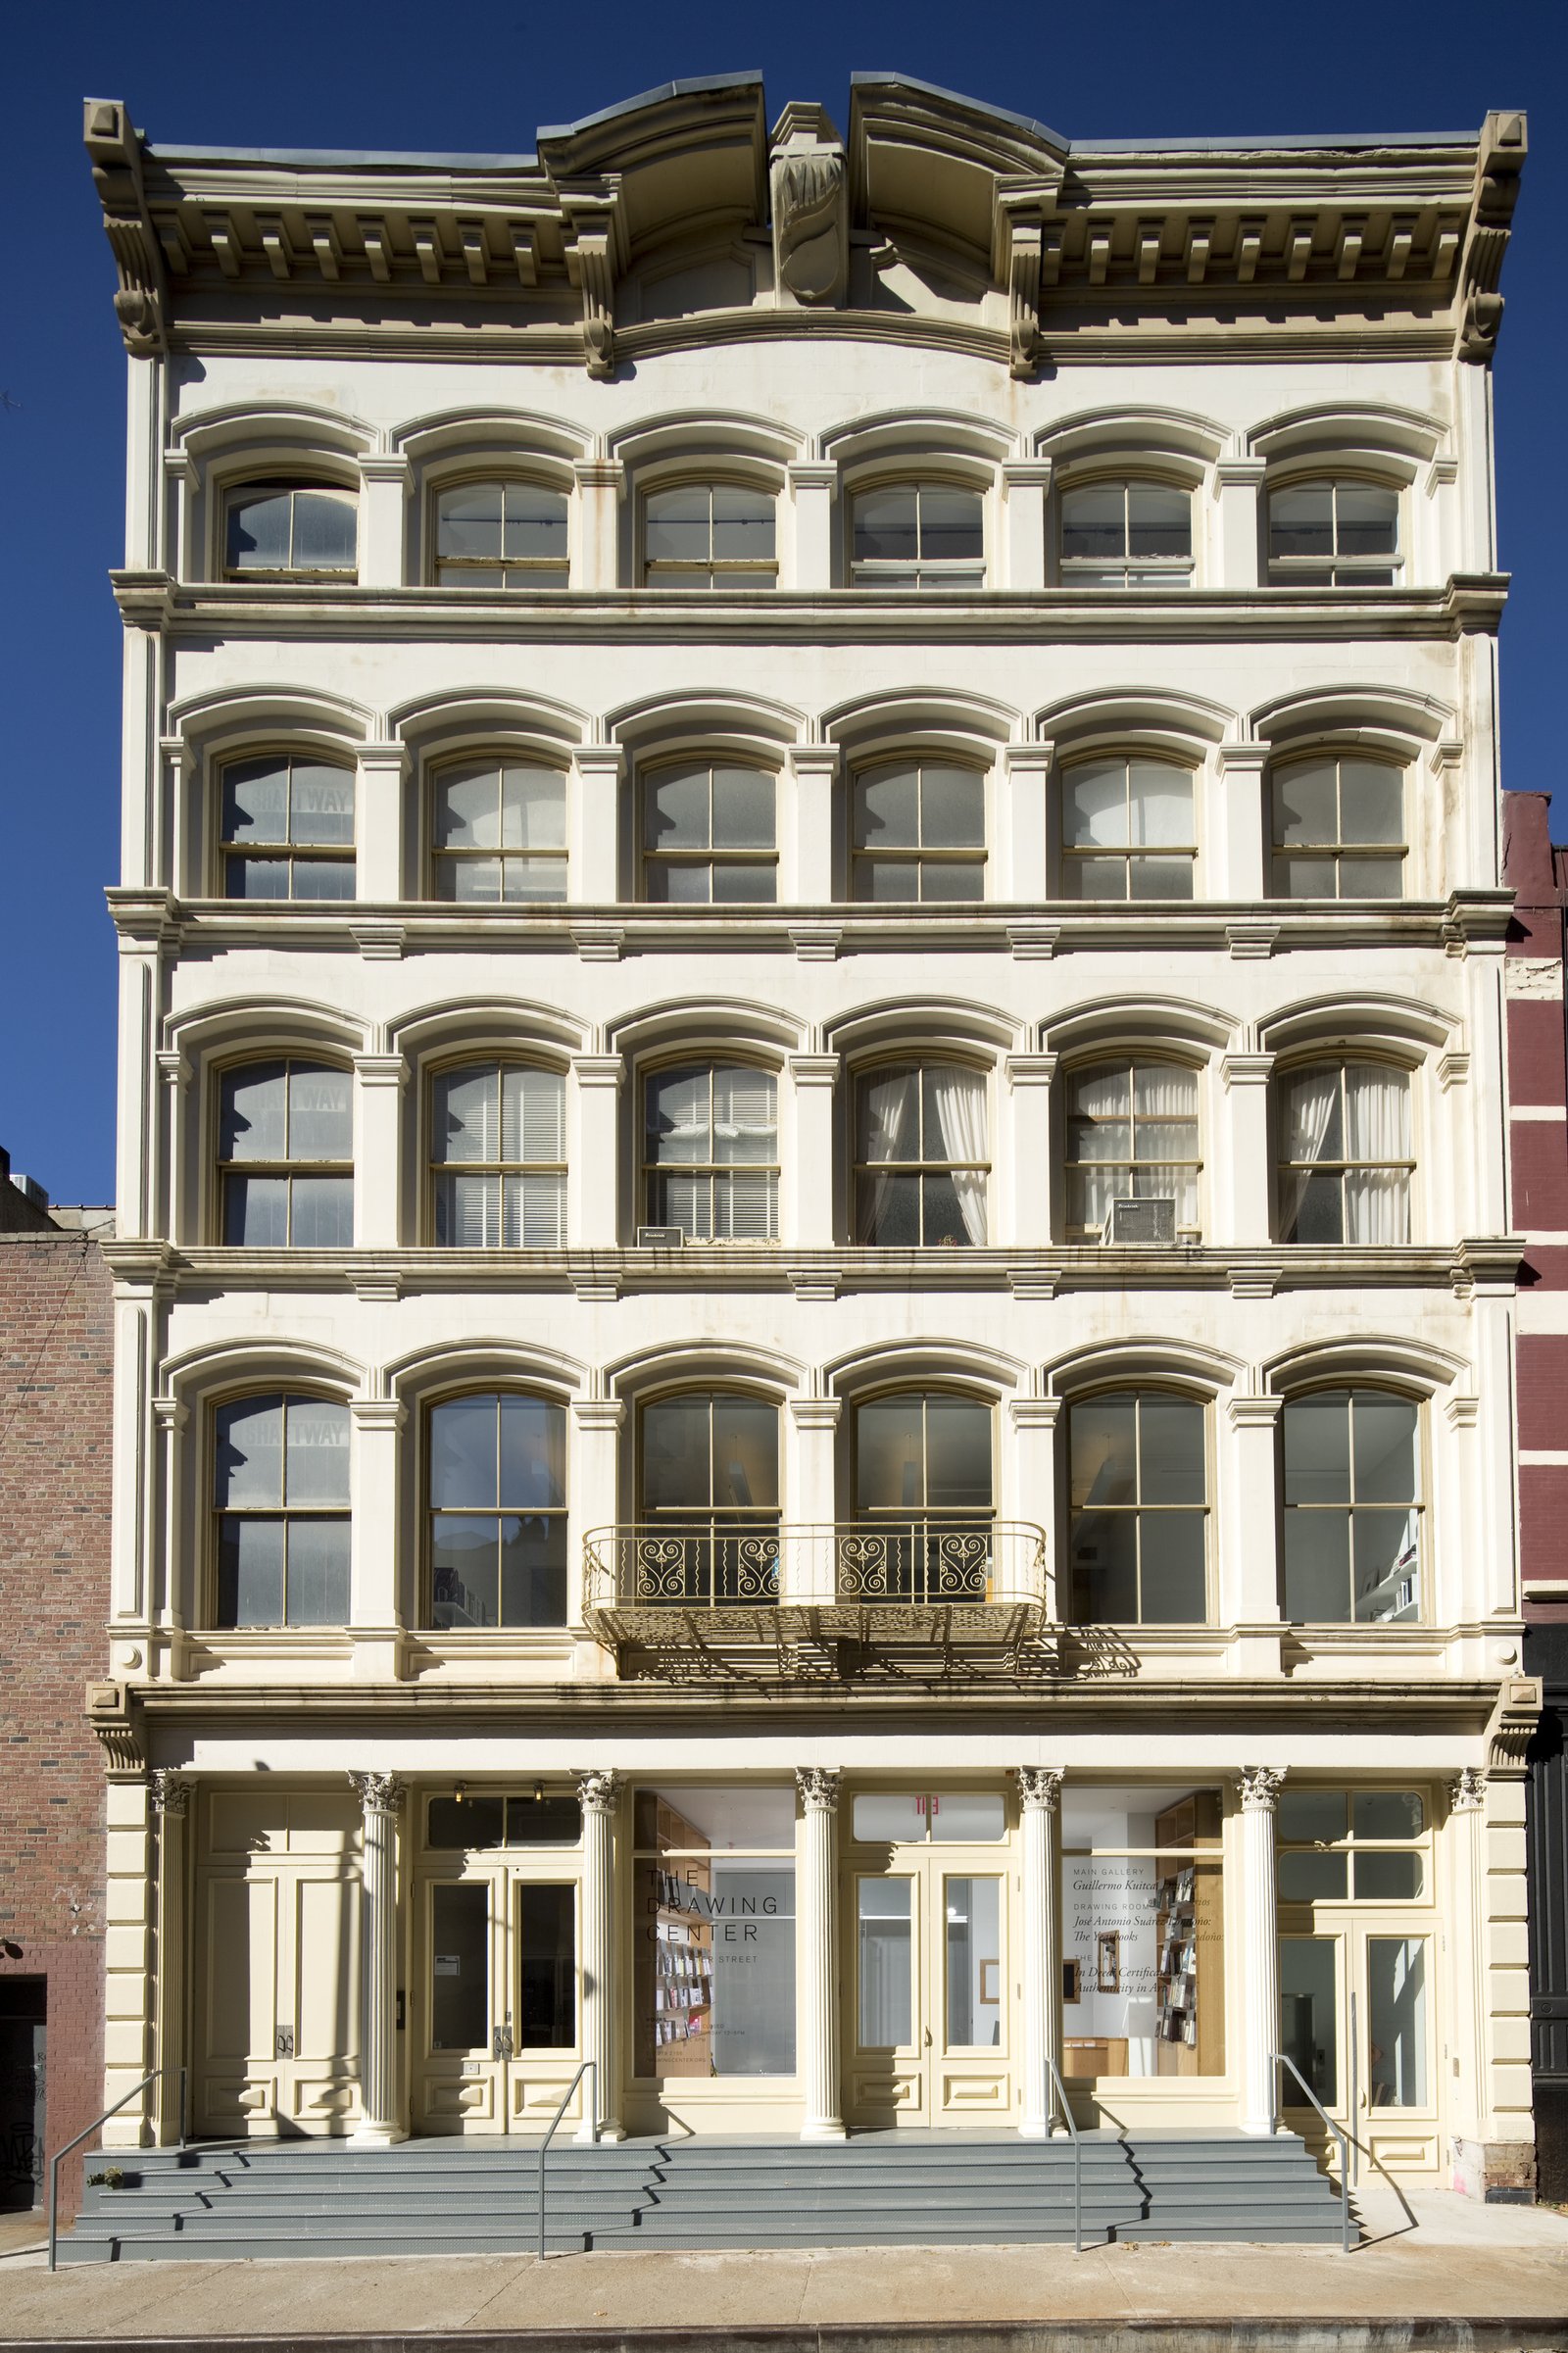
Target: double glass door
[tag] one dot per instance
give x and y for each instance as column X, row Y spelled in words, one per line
column 496, row 2010
column 931, row 2019
column 1356, row 2018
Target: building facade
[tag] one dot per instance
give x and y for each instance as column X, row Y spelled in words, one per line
column 56, row 1384
column 815, row 1300
column 1536, row 870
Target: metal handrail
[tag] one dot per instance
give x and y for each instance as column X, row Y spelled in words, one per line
column 1077, row 2156
column 1280, row 2059
column 589, row 2067
column 61, row 2154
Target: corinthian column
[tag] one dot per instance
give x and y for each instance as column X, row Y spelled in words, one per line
column 599, row 1794
column 817, row 1947
column 1040, row 1791
column 381, row 2119
column 170, row 1803
column 1260, row 1949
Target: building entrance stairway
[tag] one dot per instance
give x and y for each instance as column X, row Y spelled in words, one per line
column 433, row 2197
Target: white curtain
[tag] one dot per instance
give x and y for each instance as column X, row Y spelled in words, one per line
column 1310, row 1101
column 959, row 1097
column 883, row 1115
column 1377, row 1119
column 1166, row 1101
column 1103, row 1144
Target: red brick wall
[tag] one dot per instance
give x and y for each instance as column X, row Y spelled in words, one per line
column 56, row 1346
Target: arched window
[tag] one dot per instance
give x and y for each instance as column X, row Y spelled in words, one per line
column 498, row 1152
column 1132, row 1136
column 924, row 1488
column 709, row 836
column 918, row 832
column 280, row 1497
column 1127, row 829
column 500, row 535
column 499, row 833
column 285, row 1156
column 287, row 530
column 707, row 1497
column 1339, row 829
column 710, row 1152
column 287, row 829
column 1126, row 535
column 920, row 1164
column 498, row 1511
column 1139, row 1493
column 1353, row 1509
column 710, row 535
column 1344, row 1153
column 1333, row 535
column 917, row 535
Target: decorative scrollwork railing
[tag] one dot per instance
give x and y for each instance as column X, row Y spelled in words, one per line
column 914, row 1563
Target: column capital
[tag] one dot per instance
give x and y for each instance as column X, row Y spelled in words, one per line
column 1034, row 1414
column 812, row 474
column 1026, row 473
column 599, row 1070
column 1261, row 1787
column 812, row 759
column 1233, row 473
column 378, row 1793
column 384, row 465
column 1247, row 757
column 1254, row 1413
column 393, row 756
column 1030, row 1069
column 816, row 1413
column 598, row 1790
column 611, row 758
column 377, row 1413
column 1039, row 1788
column 1246, row 1069
column 598, row 1413
column 813, row 1069
column 171, row 1793
column 600, row 474
column 1026, row 758
column 820, row 1788
column 381, row 1069
column 170, row 1415
column 1467, row 1795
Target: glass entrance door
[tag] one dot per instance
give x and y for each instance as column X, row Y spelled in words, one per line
column 932, row 2019
column 1355, row 2016
column 495, row 2017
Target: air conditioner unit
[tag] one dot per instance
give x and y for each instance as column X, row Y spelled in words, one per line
column 660, row 1238
column 1141, row 1221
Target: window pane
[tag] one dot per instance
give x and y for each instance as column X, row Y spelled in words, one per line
column 256, row 1213
column 1105, row 1568
column 1312, row 1879
column 743, row 525
column 689, row 884
column 466, row 1821
column 1301, row 522
column 317, row 1572
column 250, row 1572
column 1092, row 523
column 1162, row 798
column 1317, row 1568
column 676, row 526
column 1317, row 1449
column 463, row 1452
column 1386, row 1586
column 952, row 809
column 887, row 810
column 250, row 1453
column 469, row 520
column 1385, row 1432
column 885, row 526
column 888, row 1215
column 534, row 1214
column 1175, row 1568
column 951, row 529
column 468, row 1212
column 533, row 1454
column 1368, row 521
column 535, row 524
column 973, row 1916
column 1160, row 521
column 944, row 882
column 533, row 809
column 1371, row 801
column 1309, row 2018
column 743, row 809
column 1307, row 878
column 890, row 1118
column 252, row 1112
column 320, row 804
column 745, row 1453
column 547, row 1958
column 256, row 878
column 256, row 801
column 676, row 810
column 1171, row 1450
column 745, row 1116
column 958, row 1454
column 540, row 1821
column 463, row 1571
column 1305, row 803
column 533, row 1116
column 1388, row 1814
column 321, row 1109
column 467, row 1115
column 1102, row 1439
column 1371, row 877
column 459, row 1986
column 677, row 1116
column 1094, row 806
column 533, row 1572
column 889, row 1455
column 1397, row 2019
column 324, row 532
column 258, row 531
column 468, row 809
column 676, row 1456
column 322, row 1213
column 1310, row 1815
column 754, row 883
column 1388, row 1877
column 317, row 1468
column 886, row 1962
column 321, row 878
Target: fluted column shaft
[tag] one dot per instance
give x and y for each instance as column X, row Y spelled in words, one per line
column 817, row 1947
column 1260, row 1948
column 171, row 1796
column 1039, row 1977
column 599, row 1794
column 380, row 2104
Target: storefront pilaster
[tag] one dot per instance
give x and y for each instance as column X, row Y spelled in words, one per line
column 171, row 1803
column 819, row 2071
column 1260, row 1951
column 600, row 1795
column 1040, row 1792
column 381, row 2121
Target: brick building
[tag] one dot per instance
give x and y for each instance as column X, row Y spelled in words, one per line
column 56, row 1340
column 1538, row 1093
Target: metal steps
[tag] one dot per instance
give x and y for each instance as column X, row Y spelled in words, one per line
column 296, row 2198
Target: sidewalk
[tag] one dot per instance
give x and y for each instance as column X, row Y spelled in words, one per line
column 1445, row 2261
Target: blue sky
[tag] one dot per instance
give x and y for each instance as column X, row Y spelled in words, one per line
column 467, row 77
